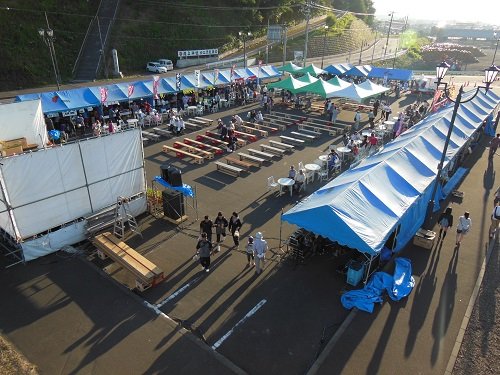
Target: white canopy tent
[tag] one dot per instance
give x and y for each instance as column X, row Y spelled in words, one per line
column 24, row 119
column 356, row 92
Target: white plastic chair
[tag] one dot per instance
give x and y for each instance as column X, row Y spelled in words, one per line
column 271, row 184
column 301, row 166
column 199, row 110
column 309, row 177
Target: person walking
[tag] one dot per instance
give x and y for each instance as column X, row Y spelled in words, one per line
column 249, row 249
column 376, row 105
column 234, row 227
column 445, row 221
column 495, row 219
column 203, row 250
column 463, row 227
column 206, row 227
column 334, row 114
column 260, row 248
column 220, row 224
column 357, row 120
column 494, row 144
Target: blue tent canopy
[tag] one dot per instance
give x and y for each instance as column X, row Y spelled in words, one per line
column 391, row 74
column 59, row 101
column 361, row 207
column 359, row 71
column 164, row 86
column 338, row 69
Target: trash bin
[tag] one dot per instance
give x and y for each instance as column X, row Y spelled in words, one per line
column 355, row 273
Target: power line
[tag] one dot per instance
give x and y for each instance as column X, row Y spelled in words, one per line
column 218, row 7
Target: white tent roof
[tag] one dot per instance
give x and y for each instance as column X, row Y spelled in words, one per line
column 376, row 89
column 354, row 92
column 23, row 119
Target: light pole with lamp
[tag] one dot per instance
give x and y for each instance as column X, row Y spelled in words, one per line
column 441, row 70
column 244, row 36
column 324, row 44
column 388, row 33
column 47, row 36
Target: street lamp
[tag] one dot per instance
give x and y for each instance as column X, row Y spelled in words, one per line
column 324, row 43
column 244, row 36
column 496, row 48
column 48, row 37
column 441, row 70
column 388, row 33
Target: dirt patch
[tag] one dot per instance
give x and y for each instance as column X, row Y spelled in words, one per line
column 12, row 362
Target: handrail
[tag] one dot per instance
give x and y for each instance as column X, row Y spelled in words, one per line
column 106, row 37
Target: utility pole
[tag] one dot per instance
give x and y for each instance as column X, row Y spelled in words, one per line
column 388, row 33
column 284, row 43
column 267, row 42
column 53, row 52
column 308, row 17
column 496, row 48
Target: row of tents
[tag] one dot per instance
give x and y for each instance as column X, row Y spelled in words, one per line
column 335, row 87
column 66, row 100
column 348, row 70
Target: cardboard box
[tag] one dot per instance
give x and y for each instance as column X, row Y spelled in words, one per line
column 12, row 150
column 424, row 238
column 14, row 143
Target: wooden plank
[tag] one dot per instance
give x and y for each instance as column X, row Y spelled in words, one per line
column 180, row 153
column 292, row 140
column 208, row 121
column 194, row 150
column 130, row 259
column 190, row 125
column 214, row 141
column 202, row 145
column 258, row 126
column 162, row 132
column 307, row 137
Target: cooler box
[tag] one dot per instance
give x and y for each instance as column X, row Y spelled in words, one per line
column 424, row 238
column 355, row 273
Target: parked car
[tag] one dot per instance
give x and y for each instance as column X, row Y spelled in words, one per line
column 166, row 63
column 155, row 67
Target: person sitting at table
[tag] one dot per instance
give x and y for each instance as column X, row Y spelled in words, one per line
column 355, row 149
column 373, row 141
column 292, row 172
column 300, row 178
column 351, row 144
column 345, row 139
column 333, row 159
column 364, row 143
column 356, row 136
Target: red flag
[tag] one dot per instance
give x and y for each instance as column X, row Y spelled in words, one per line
column 104, row 94
column 130, row 90
column 156, row 83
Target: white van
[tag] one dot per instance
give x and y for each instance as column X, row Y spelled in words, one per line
column 166, row 63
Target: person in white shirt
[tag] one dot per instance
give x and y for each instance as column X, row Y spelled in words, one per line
column 259, row 118
column 357, row 120
column 238, row 122
column 260, row 247
column 356, row 136
column 180, row 126
column 300, row 178
column 463, row 227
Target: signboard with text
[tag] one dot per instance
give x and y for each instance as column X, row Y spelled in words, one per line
column 198, row 53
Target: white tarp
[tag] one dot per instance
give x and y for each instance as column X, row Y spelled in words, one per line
column 25, row 119
column 58, row 185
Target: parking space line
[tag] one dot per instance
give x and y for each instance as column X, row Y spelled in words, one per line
column 230, row 332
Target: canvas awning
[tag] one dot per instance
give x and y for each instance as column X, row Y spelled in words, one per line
column 311, row 69
column 359, row 71
column 338, row 69
column 321, row 88
column 289, row 68
column 291, row 84
column 391, row 74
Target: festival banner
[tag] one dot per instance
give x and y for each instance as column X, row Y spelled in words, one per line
column 197, row 77
column 130, row 90
column 178, row 81
column 104, row 94
column 232, row 73
column 216, row 76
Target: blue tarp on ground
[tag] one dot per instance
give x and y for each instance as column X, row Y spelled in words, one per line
column 391, row 74
column 362, row 207
column 397, row 287
column 185, row 189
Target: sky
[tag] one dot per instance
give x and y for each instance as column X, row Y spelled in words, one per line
column 479, row 11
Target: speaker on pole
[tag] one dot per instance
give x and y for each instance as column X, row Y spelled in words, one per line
column 175, row 176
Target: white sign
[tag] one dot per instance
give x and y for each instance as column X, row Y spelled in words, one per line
column 197, row 77
column 198, row 52
column 69, row 113
column 274, row 33
column 298, row 55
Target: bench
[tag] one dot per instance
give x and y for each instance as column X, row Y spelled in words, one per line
column 273, row 150
column 310, row 129
column 264, row 155
column 281, row 145
column 203, row 146
column 332, row 130
column 162, row 132
column 240, row 163
column 252, row 159
column 207, row 121
column 194, row 150
column 292, row 140
column 258, row 126
column 240, row 142
column 198, row 122
column 248, row 129
column 292, row 116
column 193, row 126
column 181, row 153
column 152, row 136
column 214, row 141
column 307, row 137
column 146, row 273
column 228, row 169
column 250, row 137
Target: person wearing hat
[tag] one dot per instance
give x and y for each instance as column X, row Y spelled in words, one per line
column 249, row 250
column 260, row 247
column 204, row 249
column 206, row 227
column 463, row 227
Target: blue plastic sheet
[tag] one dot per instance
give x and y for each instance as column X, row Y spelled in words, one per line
column 397, row 287
column 185, row 189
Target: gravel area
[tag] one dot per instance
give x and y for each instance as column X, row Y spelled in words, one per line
column 12, row 362
column 480, row 350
